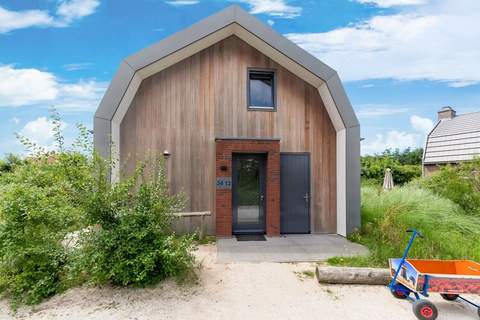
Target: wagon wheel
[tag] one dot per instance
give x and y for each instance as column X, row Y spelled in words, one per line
column 449, row 296
column 399, row 294
column 399, row 291
column 425, row 310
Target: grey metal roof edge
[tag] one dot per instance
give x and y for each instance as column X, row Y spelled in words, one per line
column 211, row 24
column 182, row 38
column 117, row 88
column 217, row 21
column 342, row 102
column 279, row 42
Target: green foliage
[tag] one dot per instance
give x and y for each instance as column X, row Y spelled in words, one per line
column 405, row 166
column 133, row 243
column 449, row 233
column 407, row 156
column 37, row 209
column 9, row 163
column 459, row 183
column 62, row 222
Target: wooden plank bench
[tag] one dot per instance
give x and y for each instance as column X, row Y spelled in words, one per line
column 201, row 214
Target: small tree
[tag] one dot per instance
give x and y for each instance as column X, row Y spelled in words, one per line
column 133, row 242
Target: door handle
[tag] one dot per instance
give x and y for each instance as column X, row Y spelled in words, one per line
column 306, row 197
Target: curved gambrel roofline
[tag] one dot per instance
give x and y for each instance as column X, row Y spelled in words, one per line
column 235, row 21
column 231, row 15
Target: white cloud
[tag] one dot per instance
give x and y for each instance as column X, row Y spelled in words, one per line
column 423, row 125
column 391, row 140
column 21, row 87
column 276, row 8
column 83, row 95
column 11, row 20
column 373, row 111
column 67, row 11
column 394, row 139
column 40, row 131
column 70, row 10
column 182, row 2
column 393, row 3
column 26, row 86
column 437, row 42
column 270, row 22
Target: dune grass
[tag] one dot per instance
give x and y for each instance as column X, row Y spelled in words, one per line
column 449, row 232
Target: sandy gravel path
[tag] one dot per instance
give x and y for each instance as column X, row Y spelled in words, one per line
column 235, row 291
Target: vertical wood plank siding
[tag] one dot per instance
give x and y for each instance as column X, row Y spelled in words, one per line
column 183, row 108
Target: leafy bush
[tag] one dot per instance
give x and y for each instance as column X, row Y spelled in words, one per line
column 459, row 183
column 405, row 165
column 449, row 233
column 373, row 169
column 62, row 223
column 407, row 156
column 133, row 243
column 37, row 210
column 9, row 163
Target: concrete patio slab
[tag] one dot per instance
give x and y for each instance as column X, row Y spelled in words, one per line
column 290, row 248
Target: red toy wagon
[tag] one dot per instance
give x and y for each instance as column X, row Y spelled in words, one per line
column 450, row 278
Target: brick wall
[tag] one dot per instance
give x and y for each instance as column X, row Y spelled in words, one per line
column 223, row 197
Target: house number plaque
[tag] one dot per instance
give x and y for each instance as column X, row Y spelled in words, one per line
column 224, row 183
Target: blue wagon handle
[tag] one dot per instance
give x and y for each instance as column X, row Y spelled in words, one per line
column 415, row 233
column 422, row 308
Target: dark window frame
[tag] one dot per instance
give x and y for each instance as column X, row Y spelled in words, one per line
column 274, row 89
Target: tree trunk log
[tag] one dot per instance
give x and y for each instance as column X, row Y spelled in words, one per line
column 343, row 275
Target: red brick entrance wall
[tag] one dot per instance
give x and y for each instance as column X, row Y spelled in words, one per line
column 223, row 199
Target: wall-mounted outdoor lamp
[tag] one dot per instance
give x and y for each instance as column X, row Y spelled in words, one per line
column 166, row 154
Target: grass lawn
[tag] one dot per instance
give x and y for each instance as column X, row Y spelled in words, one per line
column 449, row 232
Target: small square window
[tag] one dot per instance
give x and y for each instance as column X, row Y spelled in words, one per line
column 261, row 89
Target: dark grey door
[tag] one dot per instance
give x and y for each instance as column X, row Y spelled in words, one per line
column 248, row 185
column 295, row 193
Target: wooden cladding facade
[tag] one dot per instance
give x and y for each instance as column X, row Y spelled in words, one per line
column 183, row 109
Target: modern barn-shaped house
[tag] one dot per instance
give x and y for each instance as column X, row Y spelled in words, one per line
column 258, row 131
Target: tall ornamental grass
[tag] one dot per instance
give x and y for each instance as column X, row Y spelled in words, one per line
column 449, row 232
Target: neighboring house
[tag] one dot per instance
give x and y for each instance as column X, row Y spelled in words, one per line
column 257, row 130
column 454, row 138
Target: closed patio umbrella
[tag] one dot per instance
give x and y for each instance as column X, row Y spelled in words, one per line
column 388, row 180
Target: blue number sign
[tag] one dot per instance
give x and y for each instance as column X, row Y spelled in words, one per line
column 224, row 183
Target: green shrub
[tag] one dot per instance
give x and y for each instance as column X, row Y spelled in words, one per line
column 459, row 183
column 132, row 242
column 9, row 163
column 405, row 166
column 406, row 156
column 449, row 233
column 36, row 212
column 63, row 223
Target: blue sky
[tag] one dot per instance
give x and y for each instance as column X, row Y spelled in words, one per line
column 400, row 60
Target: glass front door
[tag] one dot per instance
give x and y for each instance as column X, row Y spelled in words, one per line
column 248, row 193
